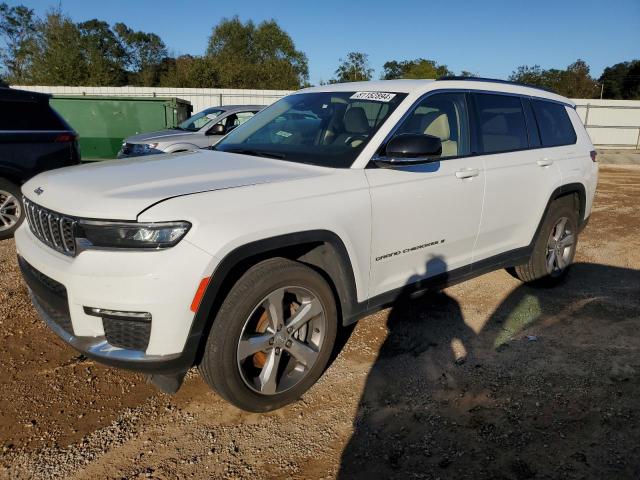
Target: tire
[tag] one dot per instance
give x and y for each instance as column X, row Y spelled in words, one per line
column 11, row 209
column 249, row 318
column 551, row 259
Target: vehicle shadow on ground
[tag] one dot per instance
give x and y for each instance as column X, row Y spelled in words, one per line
column 444, row 400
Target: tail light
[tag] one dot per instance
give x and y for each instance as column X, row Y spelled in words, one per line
column 594, row 156
column 66, row 137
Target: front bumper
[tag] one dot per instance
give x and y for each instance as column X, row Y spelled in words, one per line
column 162, row 283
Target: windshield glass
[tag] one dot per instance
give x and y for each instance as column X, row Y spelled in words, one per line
column 325, row 128
column 199, row 120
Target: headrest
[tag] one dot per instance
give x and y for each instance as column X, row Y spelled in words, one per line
column 355, row 120
column 437, row 124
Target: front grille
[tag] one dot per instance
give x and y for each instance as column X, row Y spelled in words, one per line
column 51, row 228
column 131, row 334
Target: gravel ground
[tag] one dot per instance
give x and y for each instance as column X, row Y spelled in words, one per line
column 488, row 379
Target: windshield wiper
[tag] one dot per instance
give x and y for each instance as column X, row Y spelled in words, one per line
column 256, row 153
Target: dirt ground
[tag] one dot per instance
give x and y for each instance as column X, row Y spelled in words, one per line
column 488, row 379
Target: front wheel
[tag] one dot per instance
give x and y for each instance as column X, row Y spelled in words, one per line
column 272, row 337
column 554, row 247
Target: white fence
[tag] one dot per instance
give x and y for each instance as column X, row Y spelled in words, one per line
column 200, row 98
column 610, row 123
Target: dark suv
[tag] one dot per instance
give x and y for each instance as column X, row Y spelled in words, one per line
column 33, row 138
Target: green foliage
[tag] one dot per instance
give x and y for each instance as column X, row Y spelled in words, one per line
column 188, row 71
column 17, row 29
column 574, row 82
column 250, row 56
column 418, row 68
column 57, row 55
column 144, row 52
column 622, row 81
column 104, row 54
column 354, row 68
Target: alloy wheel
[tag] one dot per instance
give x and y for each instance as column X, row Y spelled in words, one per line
column 560, row 247
column 10, row 210
column 281, row 340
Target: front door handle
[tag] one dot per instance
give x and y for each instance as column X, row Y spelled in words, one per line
column 467, row 173
column 544, row 162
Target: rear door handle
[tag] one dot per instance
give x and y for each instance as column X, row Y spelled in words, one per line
column 467, row 173
column 544, row 162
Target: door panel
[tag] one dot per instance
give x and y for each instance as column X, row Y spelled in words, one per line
column 518, row 183
column 425, row 217
column 424, row 221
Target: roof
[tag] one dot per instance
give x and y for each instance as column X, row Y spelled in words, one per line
column 7, row 94
column 228, row 108
column 419, row 87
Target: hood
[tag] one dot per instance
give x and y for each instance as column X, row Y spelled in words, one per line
column 159, row 136
column 121, row 189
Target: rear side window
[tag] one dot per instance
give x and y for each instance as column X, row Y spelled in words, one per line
column 29, row 116
column 501, row 123
column 554, row 124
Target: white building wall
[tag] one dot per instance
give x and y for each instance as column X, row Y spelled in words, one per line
column 610, row 123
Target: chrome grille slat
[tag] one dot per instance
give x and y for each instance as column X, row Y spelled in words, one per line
column 51, row 228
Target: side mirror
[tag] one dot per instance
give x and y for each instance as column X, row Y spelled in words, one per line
column 217, row 129
column 411, row 149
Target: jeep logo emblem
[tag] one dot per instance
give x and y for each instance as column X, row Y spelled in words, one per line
column 38, row 191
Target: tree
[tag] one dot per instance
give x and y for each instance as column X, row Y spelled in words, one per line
column 18, row 30
column 145, row 52
column 418, row 68
column 188, row 71
column 250, row 56
column 104, row 54
column 622, row 81
column 575, row 81
column 58, row 58
column 355, row 68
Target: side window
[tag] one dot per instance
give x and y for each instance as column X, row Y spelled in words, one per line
column 501, row 123
column 442, row 115
column 532, row 125
column 554, row 124
column 242, row 117
column 29, row 116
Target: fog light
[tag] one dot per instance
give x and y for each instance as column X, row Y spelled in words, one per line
column 117, row 314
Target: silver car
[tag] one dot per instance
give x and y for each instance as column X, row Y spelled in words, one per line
column 201, row 130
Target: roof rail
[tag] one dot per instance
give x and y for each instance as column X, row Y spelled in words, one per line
column 495, row 80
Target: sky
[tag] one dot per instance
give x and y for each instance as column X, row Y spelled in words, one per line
column 488, row 37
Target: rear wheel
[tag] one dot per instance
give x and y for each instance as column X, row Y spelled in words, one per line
column 11, row 210
column 554, row 247
column 272, row 337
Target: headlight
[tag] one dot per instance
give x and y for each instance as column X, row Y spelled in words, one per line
column 144, row 148
column 97, row 234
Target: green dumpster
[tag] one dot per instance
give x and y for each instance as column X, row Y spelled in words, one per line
column 103, row 122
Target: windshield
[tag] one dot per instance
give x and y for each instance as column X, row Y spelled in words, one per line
column 199, row 120
column 325, row 128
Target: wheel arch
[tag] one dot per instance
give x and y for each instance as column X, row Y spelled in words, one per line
column 577, row 189
column 573, row 189
column 181, row 147
column 322, row 250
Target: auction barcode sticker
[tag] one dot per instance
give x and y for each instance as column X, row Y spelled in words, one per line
column 375, row 96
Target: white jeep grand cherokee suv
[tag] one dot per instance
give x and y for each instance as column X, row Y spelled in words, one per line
column 321, row 209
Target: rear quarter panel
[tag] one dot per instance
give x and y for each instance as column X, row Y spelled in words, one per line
column 575, row 161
